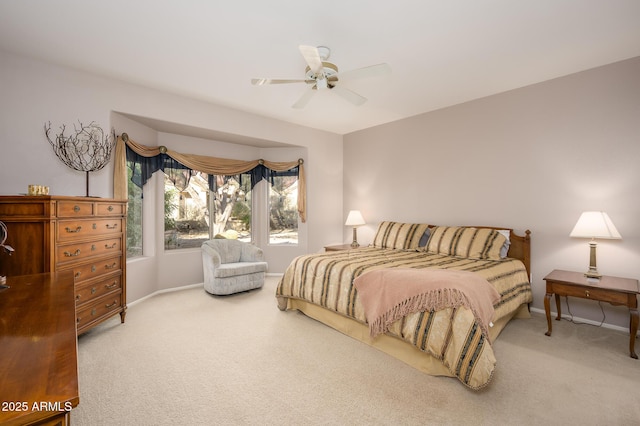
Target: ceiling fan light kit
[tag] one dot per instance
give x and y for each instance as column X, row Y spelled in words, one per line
column 322, row 75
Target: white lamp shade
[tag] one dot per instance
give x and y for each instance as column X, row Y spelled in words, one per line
column 355, row 218
column 595, row 225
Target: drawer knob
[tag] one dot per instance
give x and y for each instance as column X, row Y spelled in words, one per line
column 76, row 208
column 77, row 297
column 586, row 293
column 110, row 208
column 73, row 231
column 68, row 254
column 93, row 290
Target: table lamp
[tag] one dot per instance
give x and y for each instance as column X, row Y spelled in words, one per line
column 594, row 225
column 355, row 219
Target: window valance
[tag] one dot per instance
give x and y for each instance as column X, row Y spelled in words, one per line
column 153, row 159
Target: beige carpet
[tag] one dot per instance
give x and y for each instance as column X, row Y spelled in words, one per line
column 193, row 359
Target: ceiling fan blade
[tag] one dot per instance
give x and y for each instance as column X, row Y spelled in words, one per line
column 304, row 99
column 263, row 81
column 370, row 71
column 312, row 58
column 349, row 95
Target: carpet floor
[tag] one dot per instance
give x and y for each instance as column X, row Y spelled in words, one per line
column 190, row 358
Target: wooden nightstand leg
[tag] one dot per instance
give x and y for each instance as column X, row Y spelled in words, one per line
column 633, row 330
column 559, row 317
column 547, row 311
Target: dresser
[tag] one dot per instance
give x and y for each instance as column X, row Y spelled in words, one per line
column 86, row 235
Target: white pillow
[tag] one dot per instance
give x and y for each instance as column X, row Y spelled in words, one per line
column 505, row 247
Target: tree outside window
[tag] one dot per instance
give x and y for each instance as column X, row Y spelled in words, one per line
column 231, row 206
column 283, row 211
column 194, row 214
column 186, row 212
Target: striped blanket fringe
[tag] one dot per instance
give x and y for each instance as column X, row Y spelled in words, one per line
column 433, row 300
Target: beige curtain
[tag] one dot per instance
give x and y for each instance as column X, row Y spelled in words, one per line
column 205, row 164
column 120, row 171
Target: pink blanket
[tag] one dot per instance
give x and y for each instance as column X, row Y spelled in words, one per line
column 389, row 294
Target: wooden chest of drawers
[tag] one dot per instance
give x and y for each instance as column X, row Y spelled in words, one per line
column 82, row 234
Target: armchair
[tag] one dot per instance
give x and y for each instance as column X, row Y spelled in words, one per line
column 232, row 266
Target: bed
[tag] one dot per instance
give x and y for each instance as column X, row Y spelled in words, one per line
column 447, row 341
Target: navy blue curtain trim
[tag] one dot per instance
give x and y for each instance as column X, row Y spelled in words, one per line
column 150, row 165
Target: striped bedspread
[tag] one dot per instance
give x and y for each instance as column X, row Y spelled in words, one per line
column 451, row 335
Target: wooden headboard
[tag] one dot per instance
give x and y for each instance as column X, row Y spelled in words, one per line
column 520, row 248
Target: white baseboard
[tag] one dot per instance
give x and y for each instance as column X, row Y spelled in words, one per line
column 169, row 290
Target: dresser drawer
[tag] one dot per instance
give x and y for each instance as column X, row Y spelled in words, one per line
column 95, row 269
column 80, row 251
column 105, row 306
column 92, row 290
column 110, row 209
column 70, row 230
column 28, row 208
column 69, row 208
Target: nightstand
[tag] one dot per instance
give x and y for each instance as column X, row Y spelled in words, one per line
column 614, row 290
column 340, row 247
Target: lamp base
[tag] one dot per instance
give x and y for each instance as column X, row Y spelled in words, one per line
column 593, row 275
column 593, row 270
column 355, row 244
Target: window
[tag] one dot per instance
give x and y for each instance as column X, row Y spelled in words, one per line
column 283, row 211
column 194, row 214
column 231, row 206
column 186, row 212
column 134, row 215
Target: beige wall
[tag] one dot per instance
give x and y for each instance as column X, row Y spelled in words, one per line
column 532, row 158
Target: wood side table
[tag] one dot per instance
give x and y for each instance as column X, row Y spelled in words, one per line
column 614, row 290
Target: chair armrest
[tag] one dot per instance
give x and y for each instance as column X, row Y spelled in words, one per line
column 212, row 256
column 251, row 253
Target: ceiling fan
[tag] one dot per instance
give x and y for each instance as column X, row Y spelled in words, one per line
column 323, row 75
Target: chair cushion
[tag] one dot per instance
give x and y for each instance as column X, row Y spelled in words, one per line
column 239, row 268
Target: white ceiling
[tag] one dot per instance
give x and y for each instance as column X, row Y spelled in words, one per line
column 442, row 52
